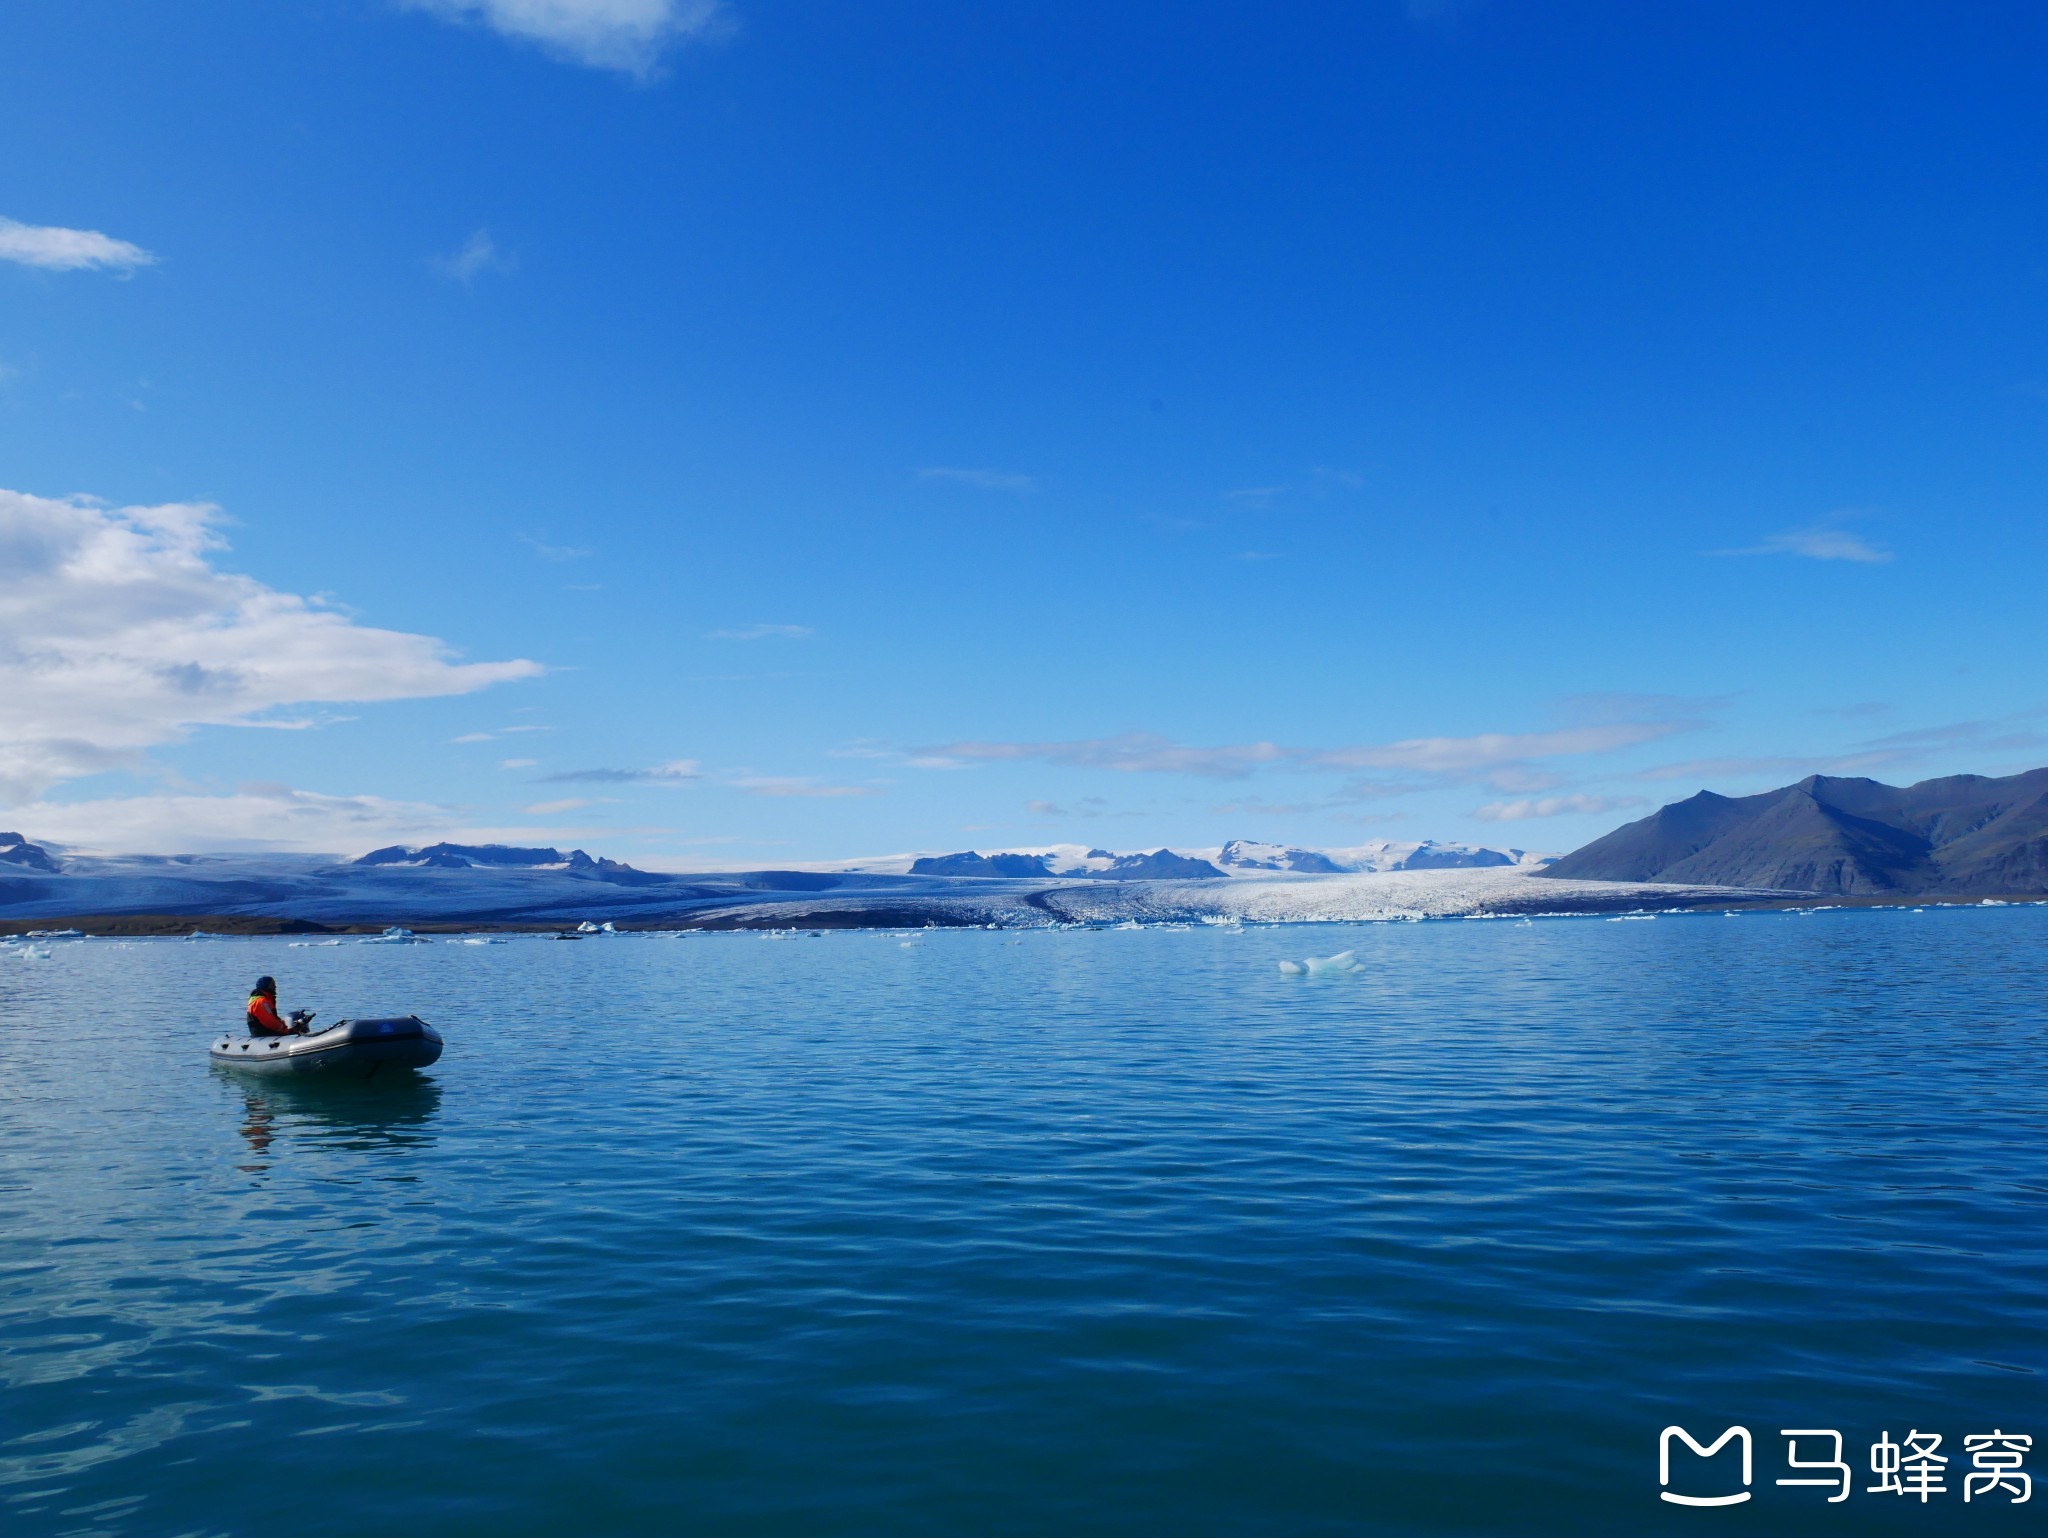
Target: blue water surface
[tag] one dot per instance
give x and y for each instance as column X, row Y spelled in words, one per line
column 1053, row 1232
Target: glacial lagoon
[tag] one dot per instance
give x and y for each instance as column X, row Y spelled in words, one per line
column 1078, row 1231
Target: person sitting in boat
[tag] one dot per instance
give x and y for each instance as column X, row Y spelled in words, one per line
column 264, row 1019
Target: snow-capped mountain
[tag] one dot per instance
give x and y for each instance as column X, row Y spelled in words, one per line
column 1243, row 856
column 1239, row 857
column 1159, row 865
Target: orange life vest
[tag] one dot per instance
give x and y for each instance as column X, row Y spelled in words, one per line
column 263, row 1016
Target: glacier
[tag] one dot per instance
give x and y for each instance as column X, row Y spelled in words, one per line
column 452, row 887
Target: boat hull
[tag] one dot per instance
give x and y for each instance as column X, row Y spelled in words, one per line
column 348, row 1049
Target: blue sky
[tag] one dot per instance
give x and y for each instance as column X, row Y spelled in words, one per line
column 762, row 432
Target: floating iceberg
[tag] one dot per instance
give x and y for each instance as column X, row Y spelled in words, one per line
column 1317, row 966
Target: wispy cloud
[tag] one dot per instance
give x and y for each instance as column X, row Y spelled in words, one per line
column 262, row 816
column 60, row 250
column 1130, row 753
column 797, row 785
column 253, row 817
column 1258, row 806
column 1554, row 806
column 503, row 731
column 1402, row 767
column 1737, row 767
column 1818, row 542
column 1087, row 806
column 479, row 254
column 625, row 35
column 986, row 480
column 679, row 771
column 1496, row 750
column 882, row 753
column 688, row 771
column 763, row 633
column 2016, row 733
column 519, row 763
column 548, row 552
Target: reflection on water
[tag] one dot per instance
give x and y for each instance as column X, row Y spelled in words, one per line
column 338, row 1114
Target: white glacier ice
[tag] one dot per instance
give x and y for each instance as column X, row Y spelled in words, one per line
column 1376, row 896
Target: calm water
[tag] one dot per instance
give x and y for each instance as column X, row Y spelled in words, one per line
column 1069, row 1232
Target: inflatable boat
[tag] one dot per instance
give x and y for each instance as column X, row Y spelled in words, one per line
column 348, row 1049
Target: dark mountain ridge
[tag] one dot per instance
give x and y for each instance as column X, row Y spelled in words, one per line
column 1961, row 836
column 18, row 851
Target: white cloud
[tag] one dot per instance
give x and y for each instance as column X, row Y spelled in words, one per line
column 519, row 763
column 1820, row 542
column 254, row 818
column 61, row 250
column 271, row 819
column 478, row 254
column 553, row 808
column 986, row 480
column 117, row 634
column 1554, row 806
column 763, row 633
column 627, row 35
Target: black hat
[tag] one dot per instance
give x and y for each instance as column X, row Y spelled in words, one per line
column 265, row 985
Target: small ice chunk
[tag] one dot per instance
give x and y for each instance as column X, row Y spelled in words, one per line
column 1317, row 966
